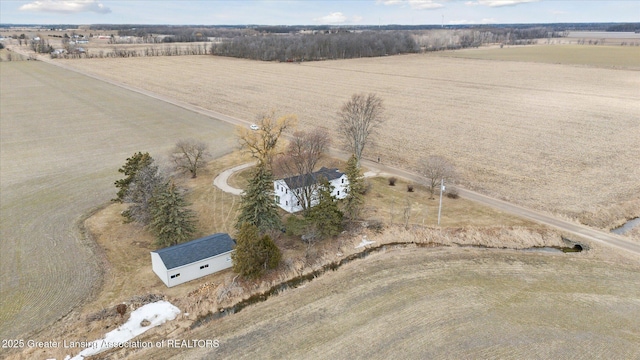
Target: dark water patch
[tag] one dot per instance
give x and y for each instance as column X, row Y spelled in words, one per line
column 626, row 227
column 555, row 249
column 546, row 249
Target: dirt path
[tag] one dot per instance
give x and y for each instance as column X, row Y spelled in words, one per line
column 222, row 180
column 599, row 236
column 603, row 237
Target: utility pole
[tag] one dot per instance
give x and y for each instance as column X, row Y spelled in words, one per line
column 440, row 207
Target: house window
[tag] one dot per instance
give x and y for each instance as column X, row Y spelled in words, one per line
column 228, row 258
column 343, row 181
column 286, row 191
column 298, row 203
column 338, row 192
column 204, row 266
column 175, row 275
column 286, row 203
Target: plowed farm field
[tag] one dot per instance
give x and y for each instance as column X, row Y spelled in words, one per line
column 439, row 304
column 63, row 137
column 559, row 138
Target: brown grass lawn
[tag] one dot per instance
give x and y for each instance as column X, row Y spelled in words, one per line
column 559, row 138
column 125, row 249
column 389, row 203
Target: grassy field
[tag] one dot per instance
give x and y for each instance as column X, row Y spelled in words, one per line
column 543, row 135
column 62, row 138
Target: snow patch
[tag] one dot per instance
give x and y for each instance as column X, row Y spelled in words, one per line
column 364, row 243
column 156, row 313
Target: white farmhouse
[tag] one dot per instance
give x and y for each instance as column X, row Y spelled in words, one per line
column 184, row 262
column 286, row 189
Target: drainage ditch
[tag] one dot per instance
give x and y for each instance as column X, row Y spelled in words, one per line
column 299, row 280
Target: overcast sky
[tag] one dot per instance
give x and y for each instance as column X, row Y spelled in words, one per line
column 316, row 12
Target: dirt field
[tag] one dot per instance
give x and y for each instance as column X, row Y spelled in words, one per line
column 559, row 138
column 625, row 57
column 62, row 138
column 529, row 138
column 440, row 304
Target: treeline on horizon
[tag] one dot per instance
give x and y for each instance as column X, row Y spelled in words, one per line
column 317, row 46
column 348, row 45
column 144, row 29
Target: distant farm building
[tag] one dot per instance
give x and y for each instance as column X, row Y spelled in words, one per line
column 184, row 262
column 287, row 189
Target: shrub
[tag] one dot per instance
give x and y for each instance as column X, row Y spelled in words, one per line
column 367, row 187
column 296, row 226
column 453, row 193
column 375, row 225
column 392, row 181
column 409, row 188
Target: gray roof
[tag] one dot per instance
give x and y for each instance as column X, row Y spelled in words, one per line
column 299, row 181
column 196, row 250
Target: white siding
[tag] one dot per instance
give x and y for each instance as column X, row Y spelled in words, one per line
column 340, row 187
column 158, row 267
column 191, row 271
column 287, row 200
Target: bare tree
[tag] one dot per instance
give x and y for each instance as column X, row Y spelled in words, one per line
column 300, row 159
column 406, row 213
column 189, row 155
column 359, row 118
column 434, row 169
column 262, row 144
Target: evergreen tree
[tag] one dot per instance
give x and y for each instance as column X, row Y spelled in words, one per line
column 172, row 222
column 326, row 217
column 270, row 253
column 258, row 206
column 140, row 193
column 130, row 169
column 355, row 199
column 253, row 254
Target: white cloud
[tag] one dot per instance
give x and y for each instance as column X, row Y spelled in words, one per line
column 488, row 21
column 414, row 4
column 469, row 22
column 458, row 22
column 66, row 6
column 333, row 18
column 356, row 18
column 424, row 4
column 498, row 3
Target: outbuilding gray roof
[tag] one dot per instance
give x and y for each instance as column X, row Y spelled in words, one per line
column 299, row 181
column 195, row 250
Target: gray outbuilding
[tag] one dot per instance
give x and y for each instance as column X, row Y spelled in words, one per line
column 184, row 262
